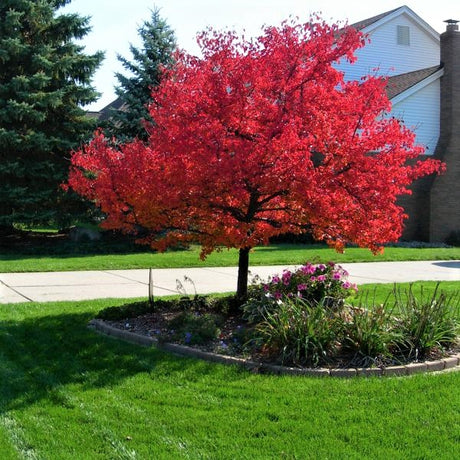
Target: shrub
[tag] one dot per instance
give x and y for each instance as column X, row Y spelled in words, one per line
column 453, row 239
column 325, row 284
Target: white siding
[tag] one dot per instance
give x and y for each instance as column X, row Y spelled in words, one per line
column 421, row 112
column 384, row 53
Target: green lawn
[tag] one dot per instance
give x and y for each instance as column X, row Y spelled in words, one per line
column 281, row 254
column 377, row 294
column 68, row 393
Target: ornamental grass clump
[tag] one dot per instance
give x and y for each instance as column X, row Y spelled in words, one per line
column 429, row 323
column 370, row 336
column 300, row 332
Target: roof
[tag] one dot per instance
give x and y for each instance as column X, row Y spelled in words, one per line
column 93, row 114
column 367, row 22
column 396, row 85
column 400, row 83
column 108, row 110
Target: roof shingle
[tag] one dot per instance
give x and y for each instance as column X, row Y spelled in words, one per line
column 367, row 22
column 400, row 83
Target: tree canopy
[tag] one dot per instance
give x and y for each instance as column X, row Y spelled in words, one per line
column 45, row 79
column 255, row 139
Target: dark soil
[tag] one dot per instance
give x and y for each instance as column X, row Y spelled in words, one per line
column 186, row 322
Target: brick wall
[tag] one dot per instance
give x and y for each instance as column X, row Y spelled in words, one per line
column 445, row 191
column 417, row 207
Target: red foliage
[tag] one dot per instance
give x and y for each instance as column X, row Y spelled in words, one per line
column 259, row 138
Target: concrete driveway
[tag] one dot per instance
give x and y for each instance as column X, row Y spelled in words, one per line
column 54, row 286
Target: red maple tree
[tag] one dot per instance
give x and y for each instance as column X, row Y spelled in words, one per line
column 255, row 139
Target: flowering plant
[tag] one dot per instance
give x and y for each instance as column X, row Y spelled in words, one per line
column 311, row 282
column 324, row 284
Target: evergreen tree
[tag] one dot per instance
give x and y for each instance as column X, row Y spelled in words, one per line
column 127, row 119
column 45, row 78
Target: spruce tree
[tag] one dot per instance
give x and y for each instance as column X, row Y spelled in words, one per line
column 45, row 80
column 126, row 121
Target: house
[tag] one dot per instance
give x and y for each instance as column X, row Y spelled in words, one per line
column 109, row 109
column 424, row 88
column 423, row 70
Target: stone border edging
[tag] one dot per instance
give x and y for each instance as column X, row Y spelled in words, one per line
column 256, row 367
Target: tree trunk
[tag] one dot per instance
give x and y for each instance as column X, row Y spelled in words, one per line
column 243, row 268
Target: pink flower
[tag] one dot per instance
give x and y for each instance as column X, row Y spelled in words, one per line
column 348, row 285
column 276, row 279
column 302, row 287
column 286, row 277
column 308, row 269
column 321, row 278
column 277, row 295
column 336, row 276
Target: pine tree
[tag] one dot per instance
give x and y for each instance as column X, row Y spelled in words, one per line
column 134, row 91
column 45, row 79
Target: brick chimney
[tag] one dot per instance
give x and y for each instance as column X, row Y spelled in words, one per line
column 445, row 192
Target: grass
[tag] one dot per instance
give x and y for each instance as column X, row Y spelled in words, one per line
column 378, row 293
column 94, row 258
column 69, row 393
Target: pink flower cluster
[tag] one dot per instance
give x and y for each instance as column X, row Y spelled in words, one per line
column 312, row 282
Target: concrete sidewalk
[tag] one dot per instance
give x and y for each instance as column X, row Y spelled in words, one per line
column 53, row 286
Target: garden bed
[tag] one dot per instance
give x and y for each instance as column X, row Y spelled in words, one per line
column 319, row 329
column 450, row 360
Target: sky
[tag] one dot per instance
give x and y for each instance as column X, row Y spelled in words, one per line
column 115, row 23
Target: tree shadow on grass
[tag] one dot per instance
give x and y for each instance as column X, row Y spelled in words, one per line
column 39, row 355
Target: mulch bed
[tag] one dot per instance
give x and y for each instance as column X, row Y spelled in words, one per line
column 156, row 324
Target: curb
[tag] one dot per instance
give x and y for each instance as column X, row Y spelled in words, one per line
column 451, row 362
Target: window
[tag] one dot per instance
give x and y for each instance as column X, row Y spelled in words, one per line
column 403, row 35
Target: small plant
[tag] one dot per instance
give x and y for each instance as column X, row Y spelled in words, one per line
column 300, row 332
column 194, row 328
column 427, row 322
column 322, row 283
column 181, row 288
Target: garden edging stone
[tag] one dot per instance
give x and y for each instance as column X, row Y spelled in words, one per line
column 452, row 362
